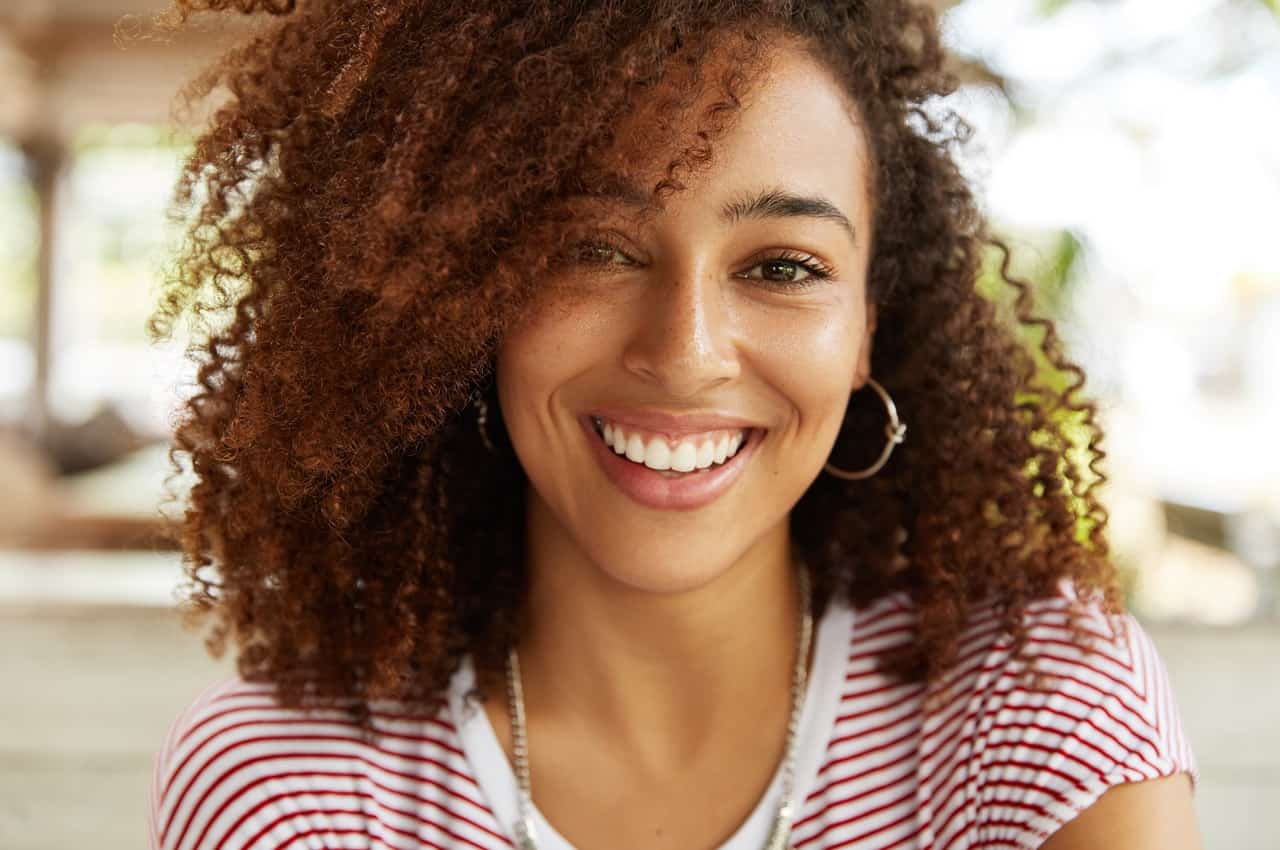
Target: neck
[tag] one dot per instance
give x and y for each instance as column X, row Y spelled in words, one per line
column 664, row 677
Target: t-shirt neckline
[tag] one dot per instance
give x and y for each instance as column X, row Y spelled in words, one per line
column 496, row 778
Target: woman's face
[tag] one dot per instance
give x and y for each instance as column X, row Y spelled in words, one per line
column 741, row 304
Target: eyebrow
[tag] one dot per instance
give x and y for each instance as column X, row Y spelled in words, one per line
column 768, row 202
column 780, row 203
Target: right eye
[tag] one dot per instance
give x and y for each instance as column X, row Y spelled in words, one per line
column 599, row 252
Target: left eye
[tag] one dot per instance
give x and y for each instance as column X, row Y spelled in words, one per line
column 788, row 268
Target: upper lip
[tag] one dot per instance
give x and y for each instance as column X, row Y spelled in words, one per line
column 672, row 424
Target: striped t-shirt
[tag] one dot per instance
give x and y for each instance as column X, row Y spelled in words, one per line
column 996, row 766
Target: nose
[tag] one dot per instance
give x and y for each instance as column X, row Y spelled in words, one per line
column 684, row 338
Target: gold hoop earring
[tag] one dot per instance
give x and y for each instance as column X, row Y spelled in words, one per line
column 894, row 429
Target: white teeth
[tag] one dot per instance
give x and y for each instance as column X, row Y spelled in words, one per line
column 684, row 457
column 706, row 454
column 657, row 454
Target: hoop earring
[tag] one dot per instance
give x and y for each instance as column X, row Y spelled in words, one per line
column 482, row 416
column 894, row 429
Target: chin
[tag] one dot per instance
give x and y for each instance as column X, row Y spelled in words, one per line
column 665, row 569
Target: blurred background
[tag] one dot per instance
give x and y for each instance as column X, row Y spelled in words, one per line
column 1125, row 148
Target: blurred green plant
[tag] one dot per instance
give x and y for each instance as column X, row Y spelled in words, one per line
column 1048, row 8
column 1049, row 263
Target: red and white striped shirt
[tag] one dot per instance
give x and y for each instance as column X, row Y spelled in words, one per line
column 998, row 766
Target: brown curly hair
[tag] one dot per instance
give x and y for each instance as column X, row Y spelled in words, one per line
column 362, row 215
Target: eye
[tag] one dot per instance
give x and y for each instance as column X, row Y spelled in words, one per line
column 791, row 270
column 599, row 252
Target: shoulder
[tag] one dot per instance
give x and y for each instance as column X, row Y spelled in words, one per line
column 238, row 770
column 1000, row 759
column 1039, row 753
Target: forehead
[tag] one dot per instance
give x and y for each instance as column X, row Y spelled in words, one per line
column 796, row 130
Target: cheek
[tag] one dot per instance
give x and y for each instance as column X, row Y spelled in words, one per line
column 812, row 365
column 539, row 355
column 558, row 325
column 528, row 361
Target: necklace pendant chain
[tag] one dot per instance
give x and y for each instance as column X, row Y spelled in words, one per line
column 525, row 832
column 779, row 832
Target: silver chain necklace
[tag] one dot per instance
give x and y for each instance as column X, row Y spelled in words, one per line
column 781, row 831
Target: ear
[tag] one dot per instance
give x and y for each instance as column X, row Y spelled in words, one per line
column 864, row 351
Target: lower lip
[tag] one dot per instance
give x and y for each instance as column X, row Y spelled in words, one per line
column 652, row 489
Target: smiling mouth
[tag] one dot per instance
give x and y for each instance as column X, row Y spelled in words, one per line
column 705, row 455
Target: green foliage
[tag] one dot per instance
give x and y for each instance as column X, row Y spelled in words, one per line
column 1050, row 273
column 1048, row 264
column 129, row 136
column 1049, row 8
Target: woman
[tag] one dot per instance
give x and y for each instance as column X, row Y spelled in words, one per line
column 607, row 447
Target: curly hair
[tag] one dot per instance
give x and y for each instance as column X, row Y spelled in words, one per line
column 378, row 199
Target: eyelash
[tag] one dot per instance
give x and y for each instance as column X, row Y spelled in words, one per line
column 818, row 270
